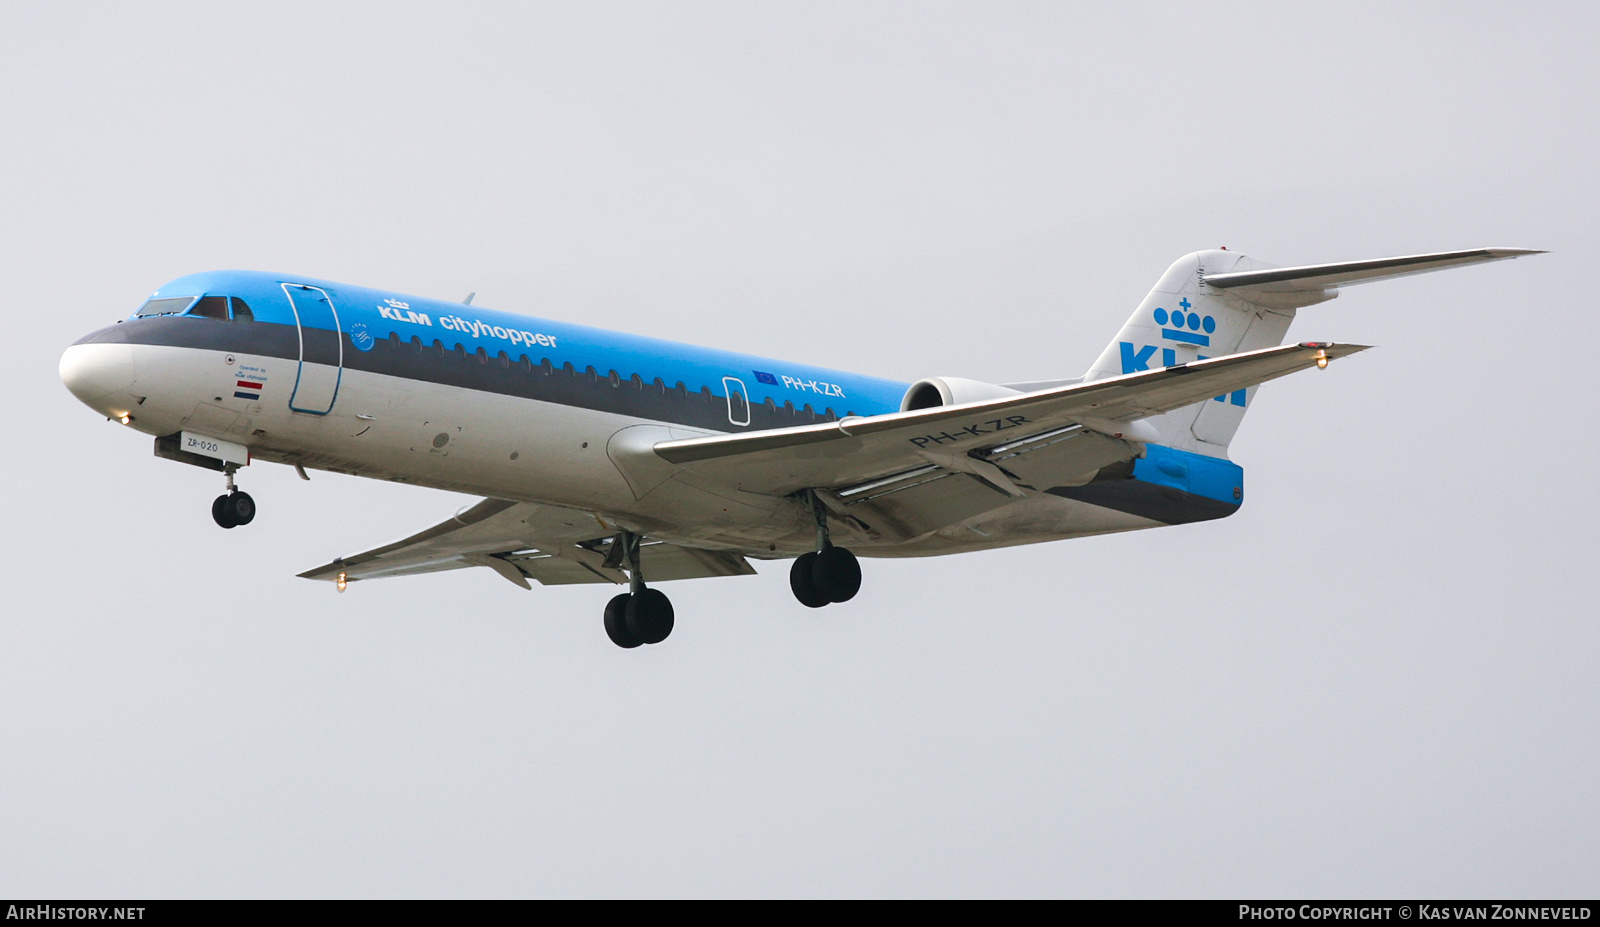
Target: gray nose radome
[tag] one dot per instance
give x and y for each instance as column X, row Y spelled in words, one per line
column 94, row 371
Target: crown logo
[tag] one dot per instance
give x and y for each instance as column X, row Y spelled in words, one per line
column 1186, row 326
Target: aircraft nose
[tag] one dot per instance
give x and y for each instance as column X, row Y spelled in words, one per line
column 94, row 371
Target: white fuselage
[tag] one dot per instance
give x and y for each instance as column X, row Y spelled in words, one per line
column 508, row 447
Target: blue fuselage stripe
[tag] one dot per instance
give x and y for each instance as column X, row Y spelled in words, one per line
column 367, row 316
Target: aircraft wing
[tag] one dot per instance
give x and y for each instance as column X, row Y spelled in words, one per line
column 906, row 472
column 522, row 541
column 977, row 437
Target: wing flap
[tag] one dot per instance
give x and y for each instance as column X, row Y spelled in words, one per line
column 565, row 566
column 664, row 562
column 1069, row 456
column 911, row 504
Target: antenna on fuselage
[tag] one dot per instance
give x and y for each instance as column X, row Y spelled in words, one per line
column 468, row 300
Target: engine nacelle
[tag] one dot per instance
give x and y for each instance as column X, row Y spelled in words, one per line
column 950, row 391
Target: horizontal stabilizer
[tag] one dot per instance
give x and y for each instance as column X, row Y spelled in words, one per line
column 1313, row 278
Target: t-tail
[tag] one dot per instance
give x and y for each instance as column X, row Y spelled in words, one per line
column 1214, row 303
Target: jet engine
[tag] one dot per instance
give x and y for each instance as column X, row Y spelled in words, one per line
column 949, row 391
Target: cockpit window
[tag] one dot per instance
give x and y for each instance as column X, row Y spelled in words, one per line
column 212, row 307
column 168, row 306
column 241, row 312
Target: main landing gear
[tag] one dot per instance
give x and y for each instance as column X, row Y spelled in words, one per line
column 644, row 616
column 640, row 615
column 831, row 574
column 827, row 574
column 234, row 507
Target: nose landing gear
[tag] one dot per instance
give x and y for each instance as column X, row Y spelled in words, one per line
column 234, row 507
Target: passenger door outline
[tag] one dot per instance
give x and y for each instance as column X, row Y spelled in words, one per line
column 738, row 410
column 315, row 385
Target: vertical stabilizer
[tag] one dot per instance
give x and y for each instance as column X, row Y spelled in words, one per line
column 1184, row 319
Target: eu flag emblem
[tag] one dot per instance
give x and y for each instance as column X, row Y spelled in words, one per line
column 767, row 378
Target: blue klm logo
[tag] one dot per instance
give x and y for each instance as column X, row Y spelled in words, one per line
column 1186, row 326
column 1181, row 319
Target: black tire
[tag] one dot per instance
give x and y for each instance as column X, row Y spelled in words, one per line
column 836, row 574
column 650, row 616
column 617, row 623
column 219, row 513
column 241, row 508
column 800, row 581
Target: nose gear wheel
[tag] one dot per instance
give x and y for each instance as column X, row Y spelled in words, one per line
column 232, row 509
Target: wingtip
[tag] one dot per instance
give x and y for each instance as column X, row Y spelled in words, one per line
column 1513, row 252
column 1334, row 348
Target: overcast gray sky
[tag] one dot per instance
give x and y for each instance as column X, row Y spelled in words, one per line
column 1379, row 678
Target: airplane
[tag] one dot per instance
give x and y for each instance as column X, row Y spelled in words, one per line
column 611, row 458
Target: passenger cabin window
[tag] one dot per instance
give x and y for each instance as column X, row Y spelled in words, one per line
column 168, row 306
column 212, row 307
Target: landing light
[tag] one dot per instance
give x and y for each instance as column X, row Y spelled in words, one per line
column 342, row 581
column 124, row 418
column 1322, row 360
